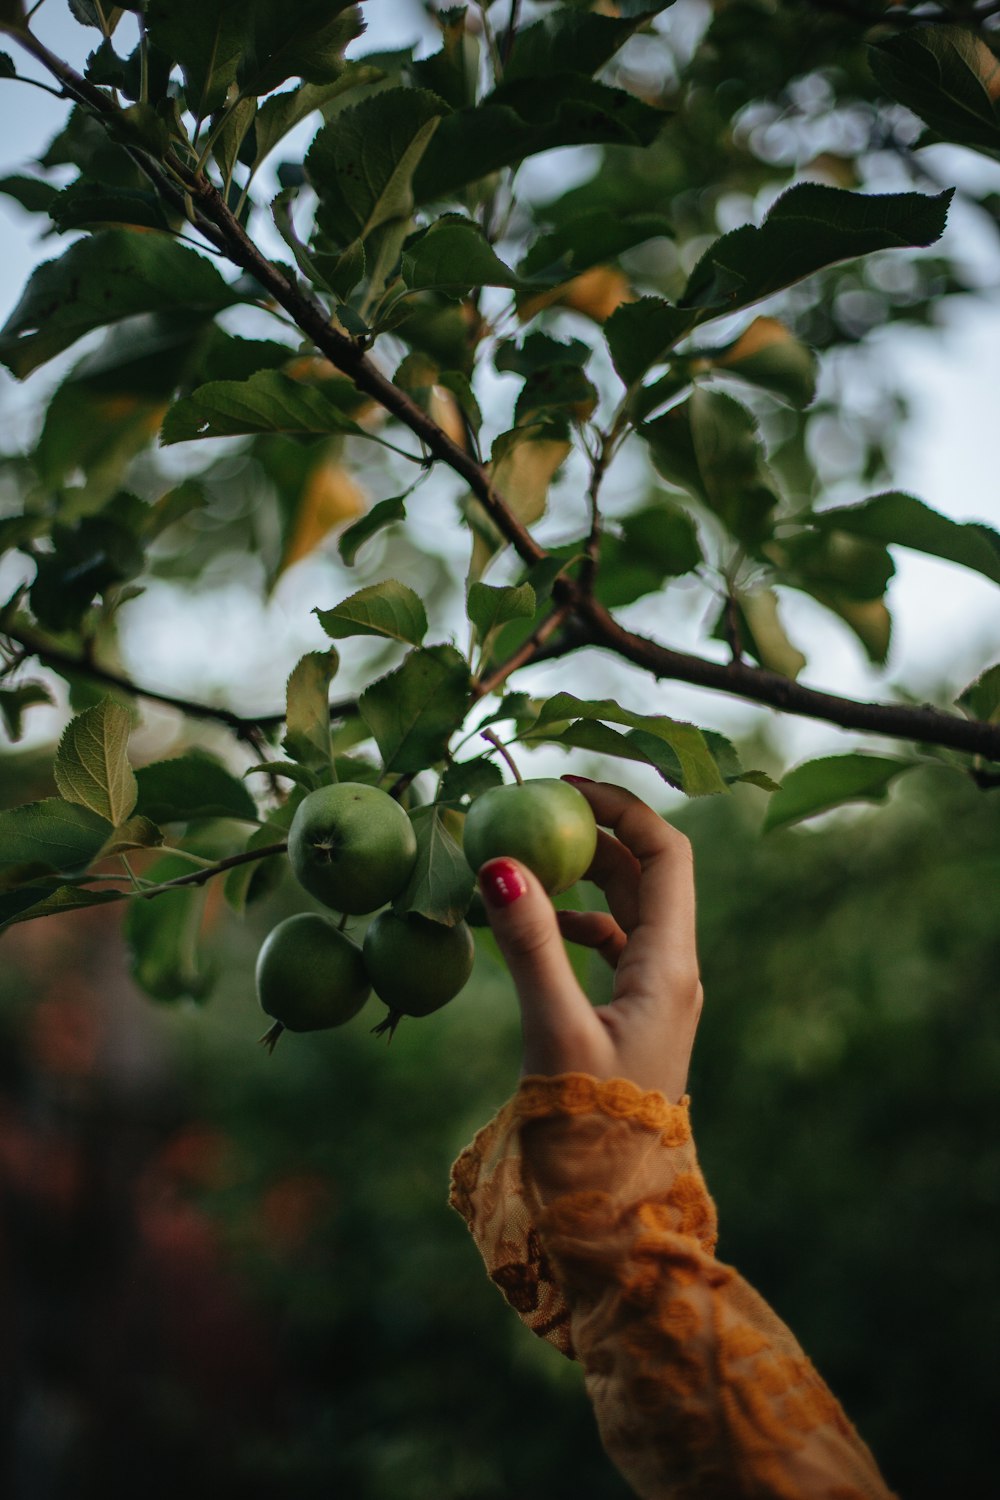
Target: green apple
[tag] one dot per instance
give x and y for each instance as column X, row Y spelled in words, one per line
column 416, row 965
column 546, row 824
column 309, row 975
column 351, row 846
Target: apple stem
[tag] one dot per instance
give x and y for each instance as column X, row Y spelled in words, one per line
column 271, row 1036
column 487, row 734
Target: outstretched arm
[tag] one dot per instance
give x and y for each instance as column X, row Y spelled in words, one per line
column 586, row 1200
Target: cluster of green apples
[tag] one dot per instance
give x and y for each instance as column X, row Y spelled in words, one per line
column 353, row 847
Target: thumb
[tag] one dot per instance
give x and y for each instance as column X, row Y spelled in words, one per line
column 554, row 1008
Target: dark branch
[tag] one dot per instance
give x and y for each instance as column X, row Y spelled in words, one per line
column 899, row 721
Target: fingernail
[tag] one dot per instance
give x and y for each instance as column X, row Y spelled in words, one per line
column 501, row 882
column 587, row 779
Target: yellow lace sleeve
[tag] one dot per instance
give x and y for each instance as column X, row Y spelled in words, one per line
column 587, row 1204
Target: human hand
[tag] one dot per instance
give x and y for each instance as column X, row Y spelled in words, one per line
column 645, row 1034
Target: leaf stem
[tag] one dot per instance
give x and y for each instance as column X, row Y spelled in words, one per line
column 495, row 740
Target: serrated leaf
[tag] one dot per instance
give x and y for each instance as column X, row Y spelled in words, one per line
column 51, row 902
column 469, row 778
column 31, row 193
column 100, row 280
column 809, row 227
column 97, row 205
column 901, row 519
column 414, row 711
column 307, row 718
column 207, row 40
column 306, row 40
column 134, row 833
column 949, row 77
column 389, row 609
column 362, row 164
column 441, row 884
column 656, row 543
column 162, row 934
column 14, row 701
column 699, row 772
column 383, row 513
column 91, row 765
column 981, row 699
column 519, row 119
column 643, row 334
column 268, row 402
column 453, row 255
column 190, row 787
column 710, row 445
column 490, row 607
column 282, row 112
column 54, row 834
column 818, row 785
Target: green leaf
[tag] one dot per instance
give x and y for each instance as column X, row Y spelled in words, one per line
column 656, row 543
column 14, row 701
column 818, row 785
column 761, row 632
column 268, row 402
column 469, row 778
column 520, row 119
column 244, row 884
column 642, row 334
column 207, row 40
column 589, row 239
column 7, row 67
column 134, row 833
column 88, row 558
column 51, row 835
column 282, row 112
column 162, row 935
column 390, row 609
column 981, row 699
column 383, row 513
column 50, row 902
column 100, row 280
column 767, row 355
column 362, row 164
column 809, row 227
column 699, row 772
column 899, row 518
column 190, row 787
column 94, row 205
column 229, row 141
column 414, row 711
column 307, row 718
column 306, row 40
column 539, row 351
column 949, row 77
column 91, row 764
column 490, row 607
column 31, row 193
column 710, row 446
column 453, row 255
column 441, row 884
column 571, row 41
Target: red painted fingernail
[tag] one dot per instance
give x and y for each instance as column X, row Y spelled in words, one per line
column 501, row 882
column 588, row 779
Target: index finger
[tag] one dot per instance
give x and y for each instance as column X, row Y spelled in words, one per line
column 665, row 929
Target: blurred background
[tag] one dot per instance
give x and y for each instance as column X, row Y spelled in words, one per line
column 234, row 1275
column 223, row 1273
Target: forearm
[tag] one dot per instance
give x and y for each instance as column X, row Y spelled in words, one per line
column 698, row 1387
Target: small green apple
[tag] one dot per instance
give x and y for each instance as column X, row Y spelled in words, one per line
column 309, row 975
column 546, row 824
column 351, row 846
column 416, row 965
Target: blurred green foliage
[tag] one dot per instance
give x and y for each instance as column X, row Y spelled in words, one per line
column 232, row 1274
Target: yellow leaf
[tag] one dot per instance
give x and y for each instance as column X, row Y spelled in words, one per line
column 445, row 411
column 595, row 293
column 330, row 496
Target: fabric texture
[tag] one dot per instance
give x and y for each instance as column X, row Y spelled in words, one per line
column 588, row 1206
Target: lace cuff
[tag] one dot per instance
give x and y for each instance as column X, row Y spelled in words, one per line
column 529, row 1176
